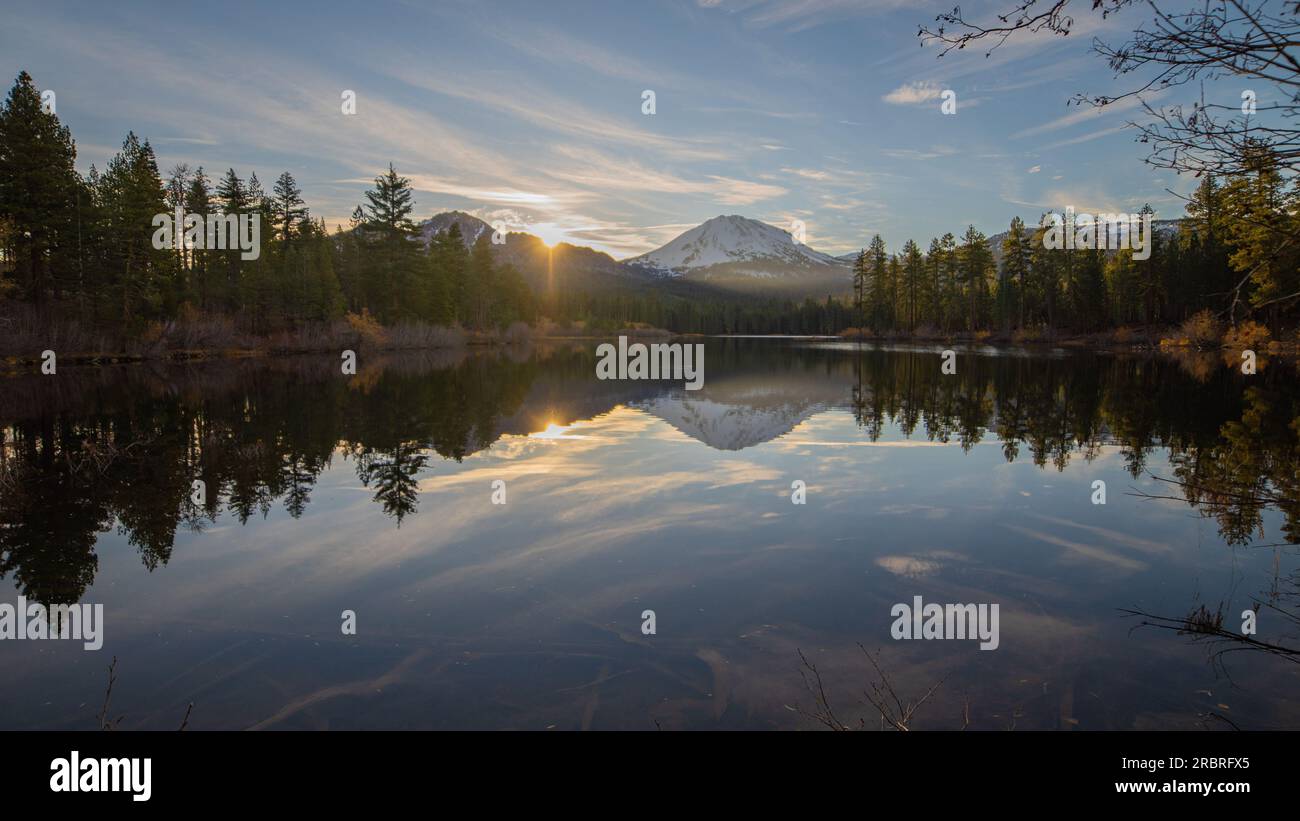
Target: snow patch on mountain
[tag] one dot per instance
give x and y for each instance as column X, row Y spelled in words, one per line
column 726, row 426
column 471, row 227
column 731, row 239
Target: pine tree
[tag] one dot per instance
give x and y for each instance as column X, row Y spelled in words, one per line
column 878, row 289
column 132, row 192
column 257, row 289
column 234, row 199
column 454, row 261
column 389, row 227
column 198, row 200
column 860, row 280
column 949, row 288
column 481, row 283
column 1045, row 275
column 1264, row 233
column 289, row 208
column 975, row 264
column 914, row 284
column 934, row 278
column 893, row 291
column 1016, row 252
column 325, row 297
column 390, row 204
column 39, row 187
column 178, row 183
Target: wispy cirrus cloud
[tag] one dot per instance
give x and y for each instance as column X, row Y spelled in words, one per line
column 800, row 15
column 1088, row 114
column 540, row 108
column 920, row 154
column 608, row 173
column 1083, row 138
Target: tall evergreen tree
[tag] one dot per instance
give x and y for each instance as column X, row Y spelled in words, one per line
column 388, row 226
column 132, row 195
column 1016, row 253
column 974, row 267
column 39, row 188
column 289, row 209
column 878, row 287
column 196, row 283
column 914, row 284
column 861, row 277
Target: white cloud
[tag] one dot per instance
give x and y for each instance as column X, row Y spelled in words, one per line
column 918, row 93
column 810, row 174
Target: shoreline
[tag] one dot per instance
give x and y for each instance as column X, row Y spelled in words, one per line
column 1089, row 343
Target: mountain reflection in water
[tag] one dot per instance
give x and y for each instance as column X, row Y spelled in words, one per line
column 372, row 492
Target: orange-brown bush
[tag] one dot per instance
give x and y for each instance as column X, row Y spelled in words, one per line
column 1247, row 335
column 370, row 334
column 1201, row 330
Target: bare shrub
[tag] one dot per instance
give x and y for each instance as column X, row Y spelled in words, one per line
column 895, row 712
column 517, row 334
column 1201, row 330
column 194, row 331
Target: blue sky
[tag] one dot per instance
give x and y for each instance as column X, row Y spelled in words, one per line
column 825, row 111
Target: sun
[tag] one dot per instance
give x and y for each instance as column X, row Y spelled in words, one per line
column 556, row 431
column 552, row 431
column 549, row 233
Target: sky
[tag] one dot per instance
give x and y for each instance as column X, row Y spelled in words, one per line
column 823, row 111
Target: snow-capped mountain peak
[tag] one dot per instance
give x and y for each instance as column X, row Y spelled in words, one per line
column 730, row 239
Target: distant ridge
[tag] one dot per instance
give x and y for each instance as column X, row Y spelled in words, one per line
column 565, row 266
column 726, row 256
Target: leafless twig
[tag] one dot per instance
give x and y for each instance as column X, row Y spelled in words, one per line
column 105, row 723
column 895, row 712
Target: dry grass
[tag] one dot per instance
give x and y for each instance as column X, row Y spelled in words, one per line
column 25, row 333
column 640, row 330
column 419, row 336
column 1125, row 335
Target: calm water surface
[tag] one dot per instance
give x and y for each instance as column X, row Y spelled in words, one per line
column 373, row 493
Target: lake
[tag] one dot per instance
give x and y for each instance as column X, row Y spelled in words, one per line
column 521, row 603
